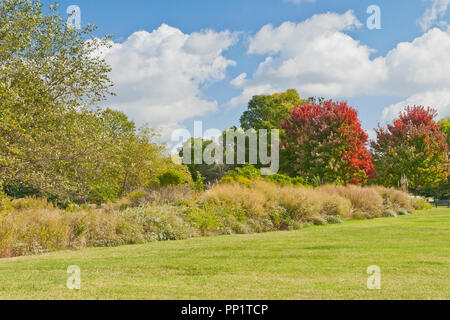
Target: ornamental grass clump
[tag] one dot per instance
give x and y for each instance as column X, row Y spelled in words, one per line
column 32, row 225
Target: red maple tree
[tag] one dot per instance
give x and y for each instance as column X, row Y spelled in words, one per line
column 325, row 141
column 414, row 147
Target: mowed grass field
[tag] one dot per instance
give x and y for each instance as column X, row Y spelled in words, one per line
column 328, row 262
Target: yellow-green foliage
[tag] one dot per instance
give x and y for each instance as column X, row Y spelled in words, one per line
column 5, row 203
column 226, row 180
column 421, row 204
column 171, row 178
column 248, row 173
column 31, row 203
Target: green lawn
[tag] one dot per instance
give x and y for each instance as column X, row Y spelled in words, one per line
column 315, row 263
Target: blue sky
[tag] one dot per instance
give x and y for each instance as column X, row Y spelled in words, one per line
column 237, row 43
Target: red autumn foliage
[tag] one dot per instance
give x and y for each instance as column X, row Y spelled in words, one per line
column 414, row 117
column 413, row 146
column 326, row 141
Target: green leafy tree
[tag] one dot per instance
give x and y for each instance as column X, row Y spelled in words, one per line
column 49, row 75
column 443, row 190
column 141, row 160
column 132, row 159
column 269, row 111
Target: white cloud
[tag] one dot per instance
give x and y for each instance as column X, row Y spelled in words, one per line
column 279, row 39
column 420, row 70
column 315, row 56
column 239, row 81
column 434, row 14
column 420, row 65
column 439, row 100
column 318, row 58
column 166, row 131
column 159, row 75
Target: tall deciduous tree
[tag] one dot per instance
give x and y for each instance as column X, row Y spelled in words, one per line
column 269, row 111
column 324, row 142
column 413, row 146
column 54, row 139
column 49, row 74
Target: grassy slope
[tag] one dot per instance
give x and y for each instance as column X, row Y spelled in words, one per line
column 316, row 263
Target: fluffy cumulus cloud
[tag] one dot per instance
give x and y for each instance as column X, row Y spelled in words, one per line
column 420, row 71
column 434, row 14
column 159, row 75
column 315, row 56
column 439, row 100
column 319, row 58
column 420, row 65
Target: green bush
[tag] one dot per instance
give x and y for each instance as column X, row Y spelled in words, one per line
column 283, row 180
column 421, row 204
column 227, row 180
column 171, row 178
column 248, row 173
column 199, row 182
